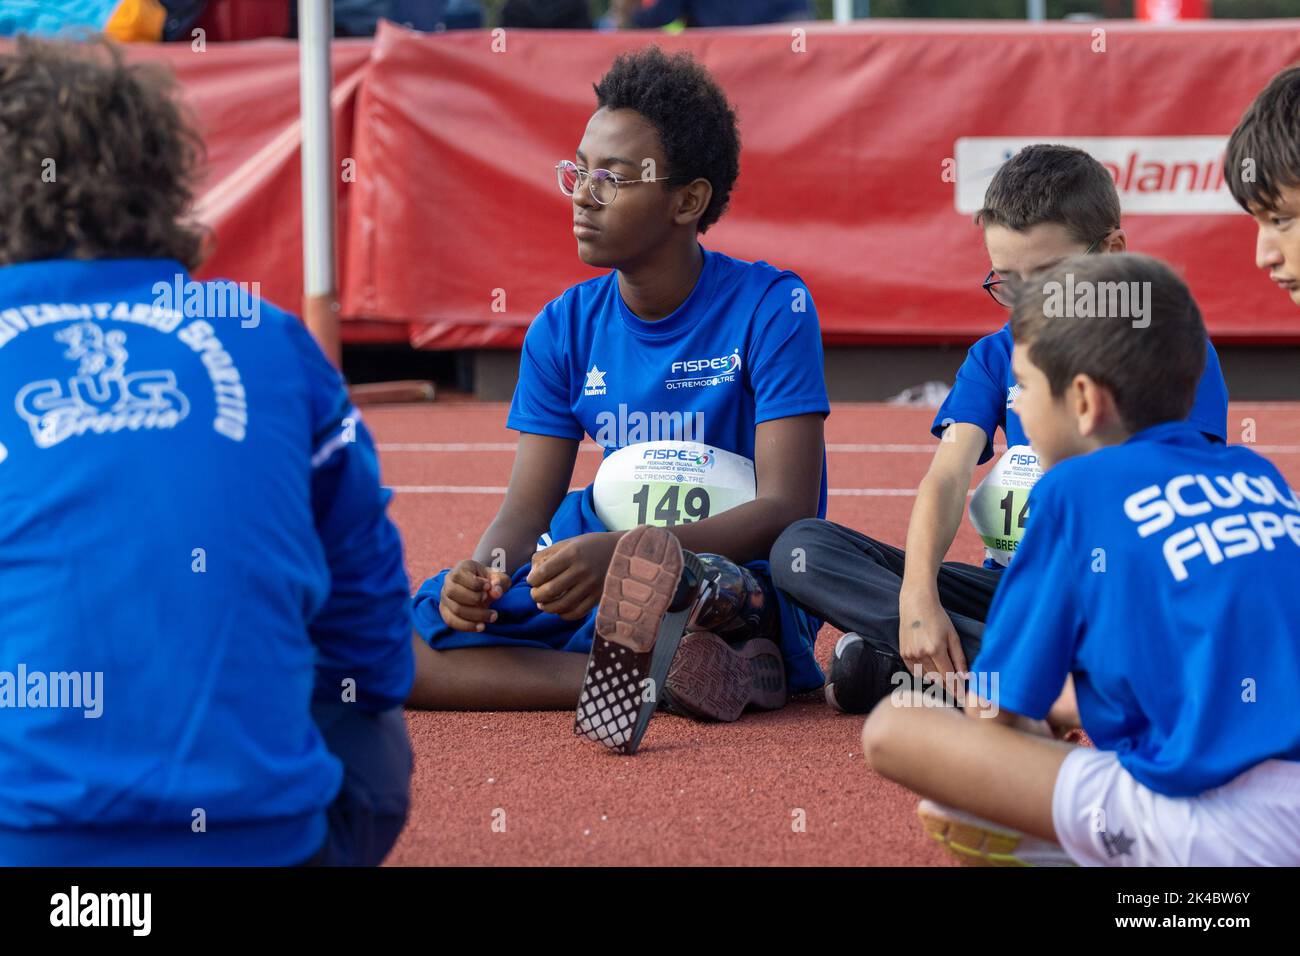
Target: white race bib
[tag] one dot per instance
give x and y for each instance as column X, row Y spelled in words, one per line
column 669, row 483
column 999, row 509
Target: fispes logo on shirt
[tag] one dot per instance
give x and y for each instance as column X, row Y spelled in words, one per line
column 1215, row 539
column 683, row 453
column 704, row 372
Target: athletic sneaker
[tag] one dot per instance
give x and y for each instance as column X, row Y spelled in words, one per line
column 861, row 674
column 978, row 842
column 711, row 680
column 644, row 612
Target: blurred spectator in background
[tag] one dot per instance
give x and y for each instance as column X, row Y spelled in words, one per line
column 708, row 13
column 359, row 18
column 182, row 16
column 125, row 20
column 225, row 20
column 547, row 14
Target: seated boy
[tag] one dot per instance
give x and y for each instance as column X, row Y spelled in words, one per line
column 204, row 616
column 679, row 344
column 1262, row 167
column 910, row 611
column 1159, row 574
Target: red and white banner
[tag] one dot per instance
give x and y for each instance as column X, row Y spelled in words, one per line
column 1155, row 175
column 865, row 150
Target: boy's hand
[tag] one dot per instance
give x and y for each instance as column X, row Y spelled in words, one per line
column 567, row 578
column 467, row 593
column 926, row 636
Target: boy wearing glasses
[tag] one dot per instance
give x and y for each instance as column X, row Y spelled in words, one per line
column 910, row 611
column 1192, row 605
column 708, row 361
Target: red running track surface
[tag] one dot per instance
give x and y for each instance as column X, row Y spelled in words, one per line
column 781, row 788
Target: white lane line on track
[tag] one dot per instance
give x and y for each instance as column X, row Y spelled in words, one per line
column 447, row 489
column 465, row 447
column 460, row 447
column 501, row 490
column 453, row 446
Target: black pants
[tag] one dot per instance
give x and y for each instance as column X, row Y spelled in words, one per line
column 854, row 581
column 369, row 812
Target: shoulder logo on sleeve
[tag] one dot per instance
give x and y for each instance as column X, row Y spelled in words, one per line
column 102, row 396
column 1012, row 394
column 595, row 382
column 704, row 372
column 1117, row 845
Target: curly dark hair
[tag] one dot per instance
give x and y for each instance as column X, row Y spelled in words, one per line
column 682, row 101
column 97, row 159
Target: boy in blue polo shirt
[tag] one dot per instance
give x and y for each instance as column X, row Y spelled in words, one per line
column 712, row 358
column 905, row 611
column 204, row 614
column 1155, row 588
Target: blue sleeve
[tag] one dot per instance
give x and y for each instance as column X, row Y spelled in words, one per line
column 1210, row 409
column 1036, row 620
column 363, row 630
column 541, row 404
column 978, row 397
column 785, row 364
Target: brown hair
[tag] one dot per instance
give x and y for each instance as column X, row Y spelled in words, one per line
column 1045, row 183
column 1152, row 371
column 97, row 160
column 1268, row 138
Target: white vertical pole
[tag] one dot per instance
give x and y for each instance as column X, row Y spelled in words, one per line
column 320, row 305
column 1037, row 9
column 843, row 11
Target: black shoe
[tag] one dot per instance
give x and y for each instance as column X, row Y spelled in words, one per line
column 862, row 674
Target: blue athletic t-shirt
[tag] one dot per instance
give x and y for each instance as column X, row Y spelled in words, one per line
column 193, row 534
column 986, row 387
column 1162, row 573
column 744, row 348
